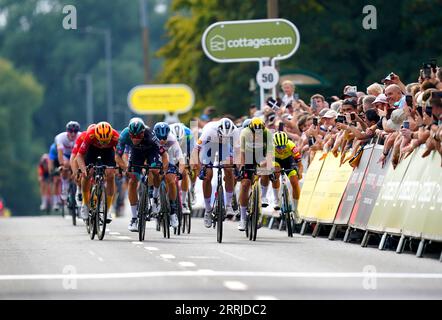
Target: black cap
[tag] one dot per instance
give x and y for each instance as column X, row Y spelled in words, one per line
column 349, row 94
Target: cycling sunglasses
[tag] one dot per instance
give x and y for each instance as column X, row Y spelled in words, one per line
column 73, row 131
column 280, row 147
column 138, row 136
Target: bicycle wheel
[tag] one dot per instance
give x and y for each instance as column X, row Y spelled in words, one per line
column 219, row 214
column 101, row 213
column 91, row 217
column 286, row 210
column 72, row 204
column 188, row 217
column 255, row 213
column 235, row 205
column 142, row 210
column 165, row 210
column 249, row 210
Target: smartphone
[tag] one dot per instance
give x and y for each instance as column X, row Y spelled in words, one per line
column 352, row 116
column 429, row 110
column 409, row 100
column 340, row 118
column 426, row 67
column 352, row 89
column 281, row 126
column 311, row 141
column 296, row 96
column 406, row 124
column 419, row 110
column 315, row 121
column 313, row 104
column 433, row 64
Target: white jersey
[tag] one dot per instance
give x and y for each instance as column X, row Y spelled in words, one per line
column 63, row 143
column 173, row 149
column 209, row 144
column 210, row 135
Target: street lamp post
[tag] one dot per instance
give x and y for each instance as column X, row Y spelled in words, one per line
column 108, row 55
column 89, row 96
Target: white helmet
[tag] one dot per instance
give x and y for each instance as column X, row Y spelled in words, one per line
column 226, row 127
column 178, row 130
column 138, row 119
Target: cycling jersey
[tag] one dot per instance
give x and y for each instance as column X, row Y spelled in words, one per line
column 147, row 145
column 289, row 150
column 172, row 147
column 91, row 140
column 65, row 144
column 210, row 143
column 79, row 142
column 53, row 152
column 188, row 142
column 255, row 146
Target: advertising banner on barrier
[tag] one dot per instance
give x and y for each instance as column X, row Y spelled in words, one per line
column 415, row 213
column 369, row 191
column 310, row 180
column 386, row 208
column 430, row 198
column 353, row 186
column 335, row 188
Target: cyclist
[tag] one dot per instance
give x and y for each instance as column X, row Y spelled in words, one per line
column 215, row 138
column 186, row 141
column 166, row 141
column 99, row 141
column 255, row 152
column 65, row 142
column 287, row 156
column 138, row 140
column 74, row 164
column 44, row 181
column 54, row 173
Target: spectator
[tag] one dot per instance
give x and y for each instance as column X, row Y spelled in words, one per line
column 289, row 90
column 375, row 89
column 368, row 103
column 395, row 97
column 317, row 103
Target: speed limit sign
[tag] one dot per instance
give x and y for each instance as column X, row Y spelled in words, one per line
column 267, row 77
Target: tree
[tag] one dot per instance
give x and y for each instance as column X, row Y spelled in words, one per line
column 334, row 44
column 20, row 97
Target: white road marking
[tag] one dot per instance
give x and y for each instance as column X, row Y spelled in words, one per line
column 235, row 285
column 186, row 264
column 114, row 233
column 100, row 259
column 136, row 242
column 203, row 257
column 265, row 298
column 67, row 217
column 91, row 253
column 167, row 256
column 151, row 248
column 232, row 255
column 205, row 272
column 124, row 238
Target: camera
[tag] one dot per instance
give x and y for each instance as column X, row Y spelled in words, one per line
column 311, row 141
column 406, row 125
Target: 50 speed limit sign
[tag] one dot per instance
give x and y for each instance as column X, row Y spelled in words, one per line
column 267, row 77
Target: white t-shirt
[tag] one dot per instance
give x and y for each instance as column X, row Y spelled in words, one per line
column 63, row 143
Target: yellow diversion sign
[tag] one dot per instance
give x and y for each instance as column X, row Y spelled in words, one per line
column 154, row 99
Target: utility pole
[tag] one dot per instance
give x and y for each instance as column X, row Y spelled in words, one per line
column 145, row 38
column 272, row 9
column 89, row 96
column 108, row 55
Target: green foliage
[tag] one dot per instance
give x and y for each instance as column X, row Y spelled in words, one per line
column 333, row 44
column 20, row 97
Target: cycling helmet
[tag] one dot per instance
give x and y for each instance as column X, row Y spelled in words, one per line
column 136, row 126
column 280, row 139
column 103, row 132
column 161, row 130
column 256, row 124
column 73, row 126
column 225, row 127
column 178, row 130
column 246, row 123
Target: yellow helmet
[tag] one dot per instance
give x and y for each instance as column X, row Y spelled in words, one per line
column 280, row 139
column 256, row 124
column 103, row 132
